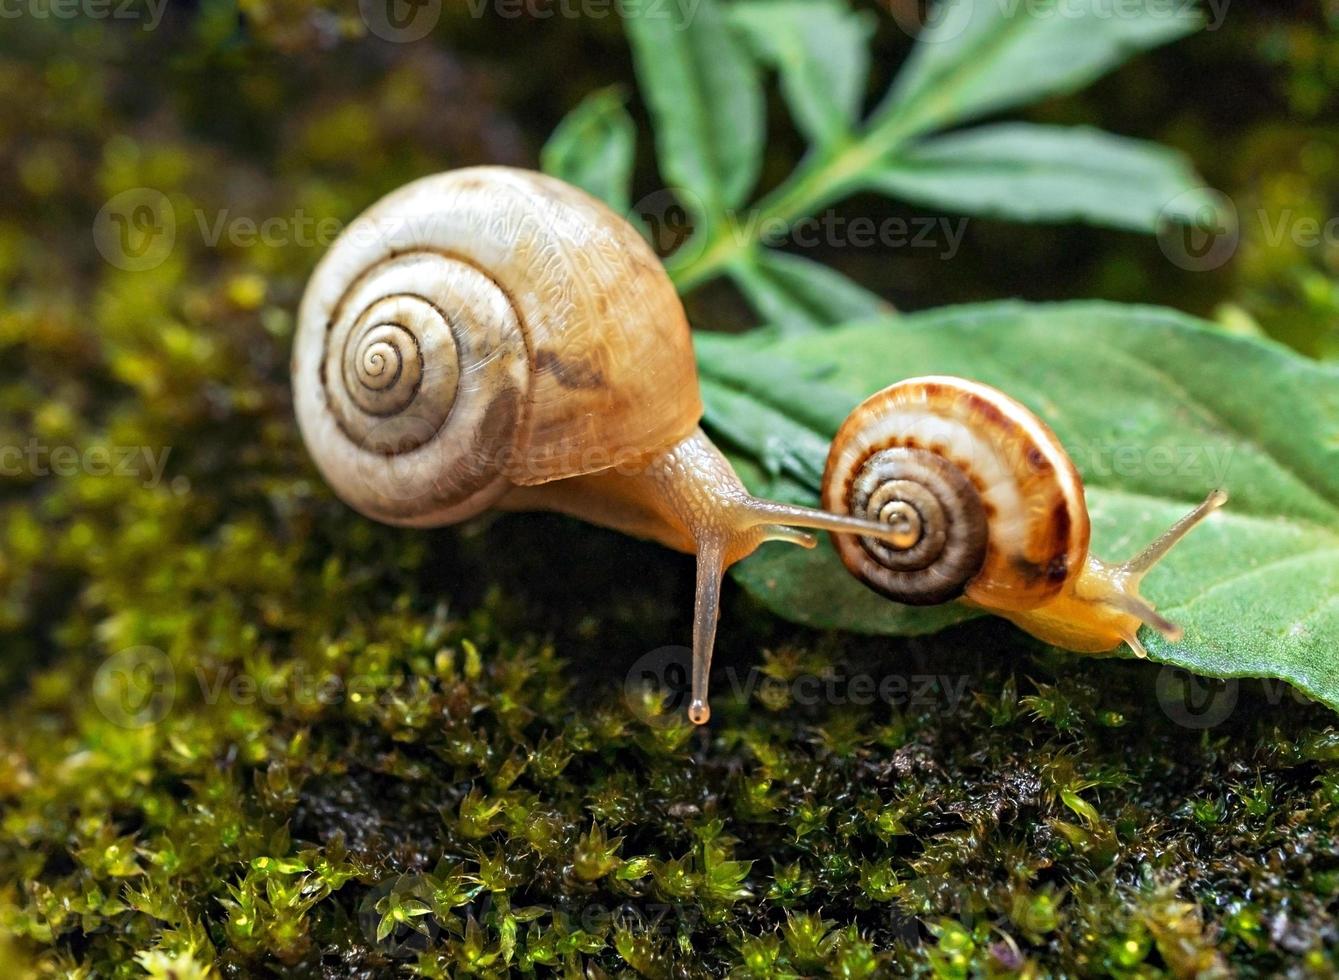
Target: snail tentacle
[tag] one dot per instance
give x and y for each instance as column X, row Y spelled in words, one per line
column 1150, row 556
column 770, row 512
column 1116, row 584
column 706, row 613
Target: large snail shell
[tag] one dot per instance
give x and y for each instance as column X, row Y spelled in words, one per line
column 484, row 328
column 992, row 507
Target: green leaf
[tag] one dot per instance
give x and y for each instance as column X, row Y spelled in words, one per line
column 1154, row 407
column 595, row 148
column 705, row 97
column 982, row 56
column 821, row 50
column 1046, row 173
column 797, row 294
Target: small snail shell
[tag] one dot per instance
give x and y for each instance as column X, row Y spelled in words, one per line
column 989, row 508
column 492, row 337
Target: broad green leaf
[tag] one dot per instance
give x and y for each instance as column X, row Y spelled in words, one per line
column 705, row 97
column 977, row 57
column 1046, row 173
column 1155, row 408
column 821, row 50
column 595, row 148
column 797, row 294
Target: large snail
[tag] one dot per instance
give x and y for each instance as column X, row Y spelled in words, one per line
column 989, row 509
column 494, row 338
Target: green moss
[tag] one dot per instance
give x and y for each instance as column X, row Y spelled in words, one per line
column 247, row 732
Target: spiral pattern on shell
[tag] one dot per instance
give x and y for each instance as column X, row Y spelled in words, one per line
column 991, row 507
column 376, row 367
column 425, row 372
column 940, row 513
column 482, row 329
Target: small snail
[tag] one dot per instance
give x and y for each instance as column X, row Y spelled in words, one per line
column 989, row 508
column 495, row 338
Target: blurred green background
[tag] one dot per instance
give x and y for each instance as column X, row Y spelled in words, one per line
column 280, row 107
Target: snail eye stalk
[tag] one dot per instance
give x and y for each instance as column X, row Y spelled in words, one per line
column 1129, row 574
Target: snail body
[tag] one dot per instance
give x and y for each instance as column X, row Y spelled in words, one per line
column 989, row 509
column 495, row 338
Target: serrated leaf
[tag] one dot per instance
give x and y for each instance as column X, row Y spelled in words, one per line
column 1046, row 173
column 595, row 147
column 820, row 48
column 797, row 294
column 1155, row 408
column 703, row 92
column 977, row 57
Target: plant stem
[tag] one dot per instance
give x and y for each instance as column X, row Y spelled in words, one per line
column 813, row 184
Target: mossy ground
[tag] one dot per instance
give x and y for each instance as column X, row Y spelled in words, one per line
column 245, row 728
